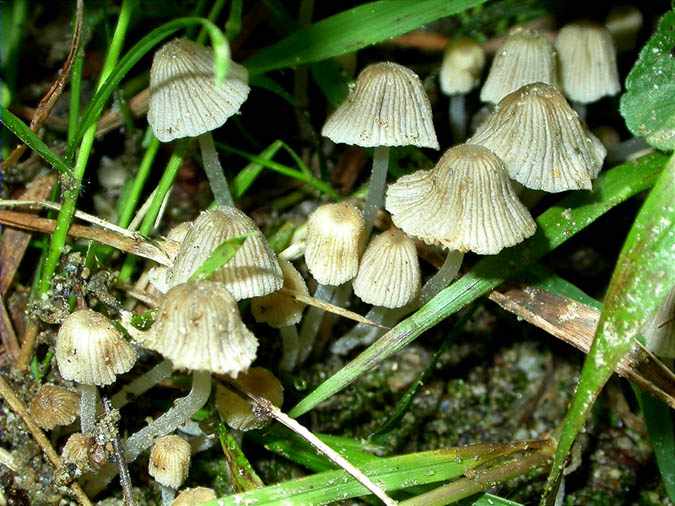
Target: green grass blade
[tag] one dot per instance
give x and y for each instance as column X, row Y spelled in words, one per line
column 30, row 139
column 247, row 176
column 390, row 473
column 539, row 276
column 490, row 500
column 557, row 224
column 219, row 257
column 309, row 179
column 643, row 276
column 221, row 52
column 352, row 30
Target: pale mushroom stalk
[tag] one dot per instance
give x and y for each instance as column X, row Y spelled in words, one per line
column 312, row 321
column 443, row 277
column 290, row 342
column 142, row 384
column 458, row 117
column 376, row 186
column 181, row 412
column 214, row 171
column 88, row 397
column 168, row 495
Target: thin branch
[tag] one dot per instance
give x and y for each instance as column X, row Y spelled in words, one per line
column 13, row 401
column 7, row 334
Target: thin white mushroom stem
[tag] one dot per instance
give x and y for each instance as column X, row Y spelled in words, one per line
column 376, row 186
column 312, row 322
column 291, row 347
column 458, row 117
column 214, row 171
column 142, row 384
column 168, row 495
column 443, row 277
column 88, row 398
column 182, row 411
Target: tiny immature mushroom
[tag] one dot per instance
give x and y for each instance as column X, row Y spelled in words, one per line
column 588, row 68
column 526, row 57
column 169, row 464
column 387, row 107
column 78, row 452
column 252, row 272
column 193, row 496
column 199, row 328
column 185, row 101
column 91, row 351
column 237, row 411
column 463, row 63
column 54, row 405
column 542, row 141
column 282, row 311
column 336, row 235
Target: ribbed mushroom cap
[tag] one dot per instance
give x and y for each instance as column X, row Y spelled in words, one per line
column 77, row 450
column 252, row 272
column 387, row 107
column 279, row 309
column 335, row 240
column 158, row 275
column 237, row 411
column 194, row 496
column 389, row 273
column 462, row 65
column 659, row 331
column 198, row 327
column 587, row 62
column 480, row 212
column 184, row 98
column 90, row 349
column 541, row 140
column 169, row 462
column 54, row 405
column 526, row 57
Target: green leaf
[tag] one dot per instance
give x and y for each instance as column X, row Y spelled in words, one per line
column 219, row 257
column 643, row 276
column 30, row 139
column 560, row 222
column 648, row 105
column 221, row 62
column 352, row 30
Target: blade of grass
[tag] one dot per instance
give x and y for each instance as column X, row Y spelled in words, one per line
column 352, row 30
column 642, row 277
column 219, row 257
column 247, row 176
column 557, row 224
column 233, row 24
column 242, row 474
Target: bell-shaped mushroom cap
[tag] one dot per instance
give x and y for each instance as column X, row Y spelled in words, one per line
column 252, row 272
column 90, row 349
column 389, row 273
column 587, row 62
column 77, row 450
column 54, row 405
column 198, row 327
column 387, row 107
column 194, row 496
column 462, row 65
column 526, row 57
column 170, row 460
column 279, row 309
column 659, row 330
column 541, row 140
column 185, row 100
column 237, row 411
column 624, row 23
column 477, row 210
column 158, row 275
column 335, row 240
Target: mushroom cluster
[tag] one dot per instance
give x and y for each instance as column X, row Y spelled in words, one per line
column 468, row 202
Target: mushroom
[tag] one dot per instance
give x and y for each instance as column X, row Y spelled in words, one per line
column 169, row 465
column 526, row 57
column 192, row 496
column 588, row 69
column 78, row 452
column 91, row 351
column 336, row 234
column 282, row 311
column 387, row 107
column 541, row 140
column 624, row 23
column 236, row 411
column 252, row 272
column 185, row 101
column 463, row 63
column 54, row 405
column 198, row 327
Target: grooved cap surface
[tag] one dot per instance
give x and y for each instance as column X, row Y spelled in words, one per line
column 193, row 496
column 169, row 462
column 279, row 309
column 463, row 63
column 387, row 107
column 54, row 405
column 184, row 98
